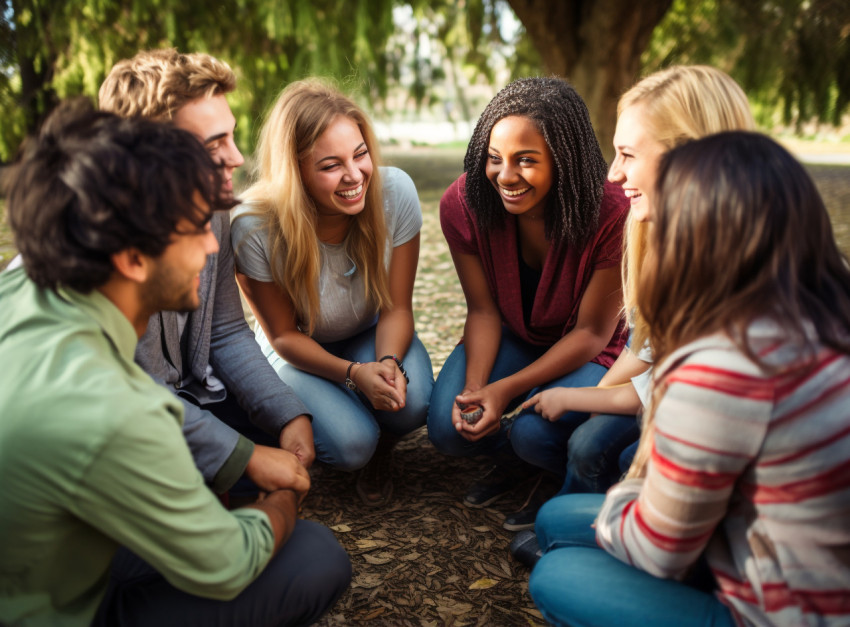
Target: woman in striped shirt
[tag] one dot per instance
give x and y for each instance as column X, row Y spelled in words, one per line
column 747, row 303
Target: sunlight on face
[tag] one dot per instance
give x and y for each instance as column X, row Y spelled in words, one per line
column 337, row 172
column 520, row 166
column 635, row 165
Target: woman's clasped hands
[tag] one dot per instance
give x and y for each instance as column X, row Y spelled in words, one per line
column 382, row 383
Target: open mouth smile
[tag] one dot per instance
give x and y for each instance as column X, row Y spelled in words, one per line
column 351, row 194
column 633, row 195
column 513, row 193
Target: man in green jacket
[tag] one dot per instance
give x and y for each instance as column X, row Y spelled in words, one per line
column 112, row 219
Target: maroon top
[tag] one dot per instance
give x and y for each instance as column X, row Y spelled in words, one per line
column 566, row 270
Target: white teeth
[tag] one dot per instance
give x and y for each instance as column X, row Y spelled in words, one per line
column 632, row 193
column 352, row 193
column 514, row 192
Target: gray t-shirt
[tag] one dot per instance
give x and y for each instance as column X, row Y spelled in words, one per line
column 643, row 382
column 344, row 311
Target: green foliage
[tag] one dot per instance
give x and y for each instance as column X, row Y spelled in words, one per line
column 52, row 50
column 791, row 56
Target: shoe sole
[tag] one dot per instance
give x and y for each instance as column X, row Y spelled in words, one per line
column 489, row 501
column 517, row 526
column 384, row 500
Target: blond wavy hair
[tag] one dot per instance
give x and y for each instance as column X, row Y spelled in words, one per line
column 678, row 104
column 156, row 83
column 302, row 113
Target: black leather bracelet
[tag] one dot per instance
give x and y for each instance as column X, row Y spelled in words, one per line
column 349, row 382
column 397, row 363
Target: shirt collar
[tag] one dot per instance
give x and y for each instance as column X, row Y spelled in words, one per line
column 114, row 323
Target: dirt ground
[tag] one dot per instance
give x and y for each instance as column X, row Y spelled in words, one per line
column 425, row 559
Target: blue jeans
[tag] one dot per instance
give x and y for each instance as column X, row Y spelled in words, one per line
column 627, row 456
column 345, row 426
column 532, row 438
column 578, row 583
column 594, row 451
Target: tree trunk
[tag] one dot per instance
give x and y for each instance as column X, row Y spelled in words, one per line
column 596, row 45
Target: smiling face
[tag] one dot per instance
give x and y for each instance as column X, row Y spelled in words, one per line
column 175, row 275
column 211, row 121
column 520, row 166
column 337, row 171
column 635, row 165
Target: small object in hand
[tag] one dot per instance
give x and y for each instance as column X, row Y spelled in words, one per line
column 471, row 413
column 507, row 419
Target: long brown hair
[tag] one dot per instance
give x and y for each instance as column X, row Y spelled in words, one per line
column 739, row 233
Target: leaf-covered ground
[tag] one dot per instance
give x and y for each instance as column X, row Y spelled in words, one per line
column 425, row 559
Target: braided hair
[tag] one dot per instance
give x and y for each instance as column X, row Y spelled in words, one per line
column 572, row 208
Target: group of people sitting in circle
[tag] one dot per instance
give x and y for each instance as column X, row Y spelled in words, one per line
column 668, row 337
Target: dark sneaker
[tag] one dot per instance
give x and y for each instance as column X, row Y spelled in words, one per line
column 525, row 549
column 375, row 481
column 544, row 487
column 521, row 520
column 498, row 481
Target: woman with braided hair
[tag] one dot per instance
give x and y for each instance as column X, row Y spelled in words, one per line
column 535, row 233
column 661, row 111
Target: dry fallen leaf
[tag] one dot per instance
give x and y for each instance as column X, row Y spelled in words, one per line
column 483, row 584
column 380, row 558
column 342, row 528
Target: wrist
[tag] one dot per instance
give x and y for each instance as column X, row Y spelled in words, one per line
column 398, row 364
column 349, row 376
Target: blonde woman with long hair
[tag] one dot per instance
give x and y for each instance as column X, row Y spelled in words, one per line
column 661, row 111
column 747, row 301
column 327, row 245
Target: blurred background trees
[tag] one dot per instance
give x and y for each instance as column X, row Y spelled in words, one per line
column 429, row 56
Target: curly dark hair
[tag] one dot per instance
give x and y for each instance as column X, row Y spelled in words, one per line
column 91, row 184
column 572, row 207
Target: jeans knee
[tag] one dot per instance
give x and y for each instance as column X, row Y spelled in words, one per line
column 350, row 454
column 446, row 439
column 548, row 518
column 586, row 459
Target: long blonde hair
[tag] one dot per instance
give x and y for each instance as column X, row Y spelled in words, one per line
column 678, row 104
column 303, row 111
column 740, row 233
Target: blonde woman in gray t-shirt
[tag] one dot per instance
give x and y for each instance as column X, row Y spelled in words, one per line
column 326, row 246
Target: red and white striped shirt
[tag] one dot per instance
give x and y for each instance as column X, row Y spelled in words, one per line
column 754, row 469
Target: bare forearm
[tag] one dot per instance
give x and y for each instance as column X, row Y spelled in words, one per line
column 481, row 337
column 308, row 355
column 394, row 333
column 281, row 506
column 624, row 369
column 618, row 399
column 572, row 351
